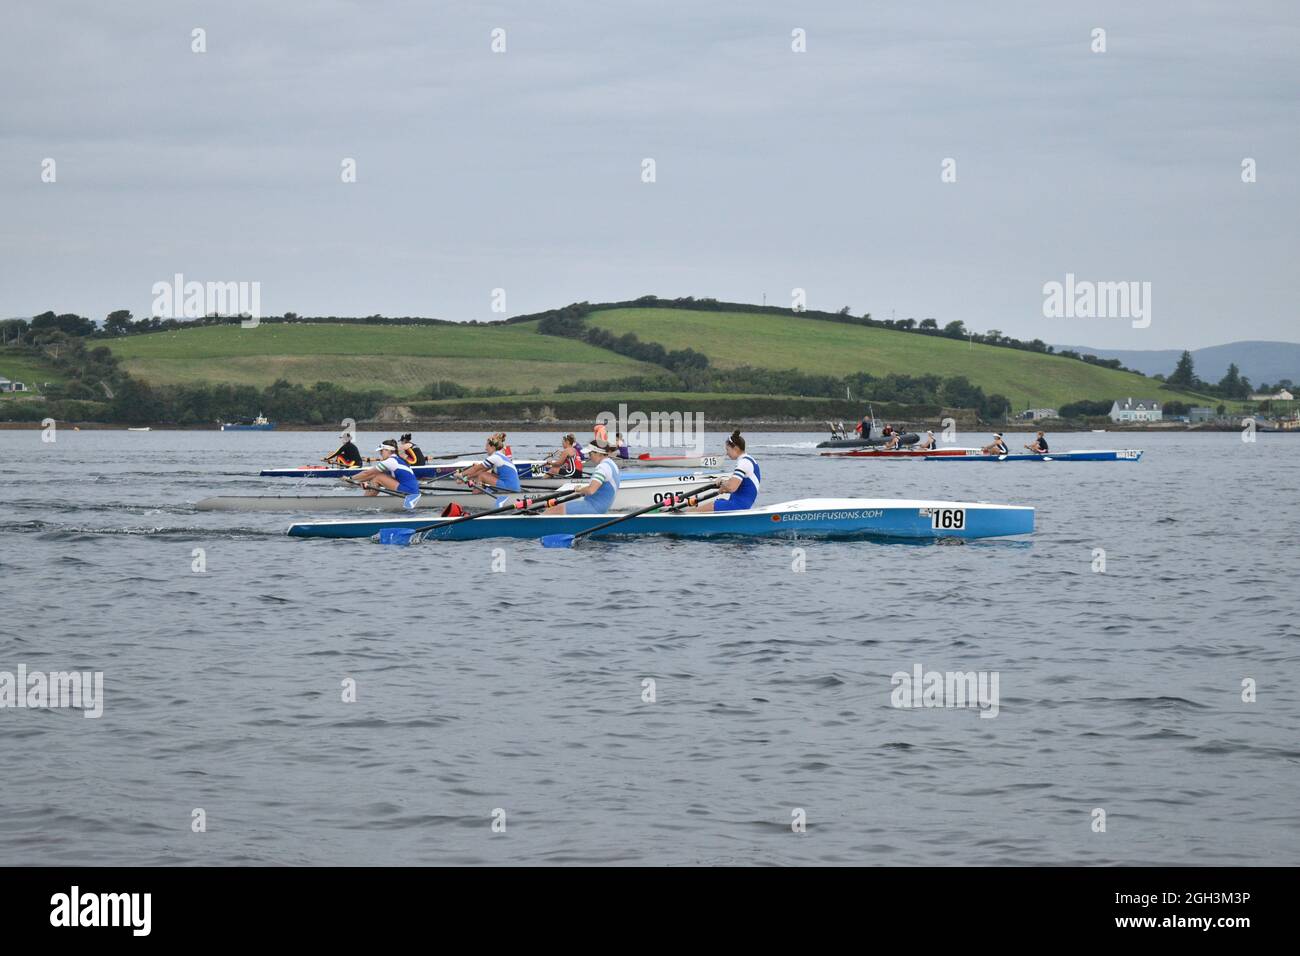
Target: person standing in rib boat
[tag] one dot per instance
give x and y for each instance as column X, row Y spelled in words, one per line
column 603, row 487
column 1038, row 446
column 569, row 461
column 997, row 447
column 391, row 473
column 740, row 490
column 348, row 454
column 496, row 470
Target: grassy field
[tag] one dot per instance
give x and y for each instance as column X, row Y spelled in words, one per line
column 398, row 359
column 19, row 367
column 729, row 339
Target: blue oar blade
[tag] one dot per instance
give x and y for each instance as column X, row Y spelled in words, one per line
column 396, row 535
column 557, row 541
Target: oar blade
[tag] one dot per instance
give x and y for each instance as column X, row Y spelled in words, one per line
column 557, row 541
column 397, row 536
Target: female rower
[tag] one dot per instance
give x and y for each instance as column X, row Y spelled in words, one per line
column 894, row 437
column 600, row 492
column 623, row 451
column 568, row 464
column 740, row 490
column 347, row 455
column 600, row 433
column 928, row 443
column 997, row 447
column 392, row 473
column 410, row 451
column 496, row 470
column 1038, row 446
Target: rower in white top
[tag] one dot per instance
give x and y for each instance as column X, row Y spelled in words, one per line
column 740, row 489
column 599, row 493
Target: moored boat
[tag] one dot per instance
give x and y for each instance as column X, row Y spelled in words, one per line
column 805, row 518
column 258, row 424
column 1127, row 454
column 911, row 438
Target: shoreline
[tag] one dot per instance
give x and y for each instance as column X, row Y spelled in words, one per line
column 757, row 425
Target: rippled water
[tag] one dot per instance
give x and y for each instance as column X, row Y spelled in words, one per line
column 522, row 689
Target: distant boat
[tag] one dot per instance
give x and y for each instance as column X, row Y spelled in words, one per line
column 145, row 429
column 258, row 424
column 1099, row 431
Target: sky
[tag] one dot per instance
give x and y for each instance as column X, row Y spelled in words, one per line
column 774, row 170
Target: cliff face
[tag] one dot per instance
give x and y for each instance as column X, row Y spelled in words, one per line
column 394, row 413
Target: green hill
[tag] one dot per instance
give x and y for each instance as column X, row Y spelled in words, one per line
column 20, row 366
column 398, row 359
column 729, row 339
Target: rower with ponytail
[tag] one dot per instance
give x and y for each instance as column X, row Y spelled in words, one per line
column 741, row 487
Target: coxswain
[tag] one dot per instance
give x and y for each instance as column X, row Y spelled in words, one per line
column 347, row 455
column 997, row 447
column 927, row 443
column 566, row 463
column 392, row 474
column 1038, row 446
column 410, row 451
column 599, row 493
column 740, row 489
column 496, row 470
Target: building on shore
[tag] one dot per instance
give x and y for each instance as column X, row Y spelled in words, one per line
column 1034, row 414
column 1136, row 410
column 7, row 386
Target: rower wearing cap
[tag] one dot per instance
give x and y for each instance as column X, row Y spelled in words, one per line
column 928, row 443
column 997, row 447
column 496, row 470
column 1038, row 446
column 347, row 455
column 410, row 451
column 740, row 489
column 392, row 473
column 599, row 493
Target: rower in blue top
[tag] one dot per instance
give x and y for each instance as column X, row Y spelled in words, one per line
column 740, row 489
column 391, row 473
column 497, row 470
column 600, row 492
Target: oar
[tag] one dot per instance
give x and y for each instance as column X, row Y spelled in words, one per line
column 468, row 454
column 567, row 540
column 416, row 535
column 382, row 491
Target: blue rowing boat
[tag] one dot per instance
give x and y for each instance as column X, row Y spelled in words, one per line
column 805, row 518
column 1128, row 454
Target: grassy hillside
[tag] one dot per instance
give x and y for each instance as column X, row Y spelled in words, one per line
column 398, row 359
column 1028, row 379
column 20, row 367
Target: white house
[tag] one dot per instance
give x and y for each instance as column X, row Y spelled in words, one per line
column 1034, row 414
column 8, row 386
column 1281, row 395
column 1136, row 410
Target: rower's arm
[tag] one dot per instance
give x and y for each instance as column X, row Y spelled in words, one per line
column 730, row 484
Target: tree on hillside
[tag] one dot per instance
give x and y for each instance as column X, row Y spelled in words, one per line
column 1184, row 375
column 1233, row 384
column 955, row 330
column 118, row 323
column 928, row 324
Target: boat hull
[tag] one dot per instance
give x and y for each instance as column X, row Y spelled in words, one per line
column 268, row 427
column 900, row 453
column 911, row 438
column 632, row 494
column 806, row 518
column 421, row 471
column 674, row 461
column 1128, row 454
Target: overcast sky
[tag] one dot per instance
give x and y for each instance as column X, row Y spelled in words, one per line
column 774, row 169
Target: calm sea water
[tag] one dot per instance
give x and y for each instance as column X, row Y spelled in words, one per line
column 521, row 689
